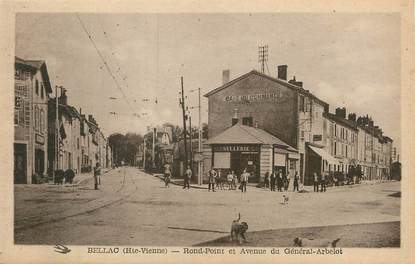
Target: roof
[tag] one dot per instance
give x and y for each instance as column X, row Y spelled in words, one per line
column 241, row 134
column 37, row 65
column 279, row 81
column 343, row 121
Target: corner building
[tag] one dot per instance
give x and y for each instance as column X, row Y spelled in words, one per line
column 283, row 109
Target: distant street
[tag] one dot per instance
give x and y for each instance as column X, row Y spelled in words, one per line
column 134, row 208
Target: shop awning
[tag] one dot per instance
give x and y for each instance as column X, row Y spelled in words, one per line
column 325, row 155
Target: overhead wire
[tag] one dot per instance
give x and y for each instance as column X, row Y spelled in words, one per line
column 104, row 61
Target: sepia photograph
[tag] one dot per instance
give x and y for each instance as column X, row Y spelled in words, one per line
column 270, row 130
column 193, row 132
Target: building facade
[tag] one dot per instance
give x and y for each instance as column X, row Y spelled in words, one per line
column 31, row 89
column 282, row 109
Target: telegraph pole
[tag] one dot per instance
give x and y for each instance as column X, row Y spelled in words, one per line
column 191, row 143
column 144, row 152
column 153, row 148
column 263, row 57
column 199, row 163
column 182, row 103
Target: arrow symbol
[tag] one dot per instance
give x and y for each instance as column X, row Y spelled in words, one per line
column 62, row 249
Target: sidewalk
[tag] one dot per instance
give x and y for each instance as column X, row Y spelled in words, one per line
column 43, row 203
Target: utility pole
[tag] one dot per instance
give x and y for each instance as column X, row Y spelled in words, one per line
column 182, row 103
column 144, row 152
column 199, row 163
column 56, row 134
column 191, row 143
column 263, row 57
column 153, row 148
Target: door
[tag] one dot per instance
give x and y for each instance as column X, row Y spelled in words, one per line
column 20, row 163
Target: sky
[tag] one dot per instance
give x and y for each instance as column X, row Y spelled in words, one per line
column 347, row 60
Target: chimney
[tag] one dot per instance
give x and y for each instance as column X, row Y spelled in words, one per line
column 282, row 72
column 63, row 99
column 293, row 81
column 352, row 117
column 371, row 123
column 225, row 76
column 234, row 121
column 235, row 117
column 341, row 112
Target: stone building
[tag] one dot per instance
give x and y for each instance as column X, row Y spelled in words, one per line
column 69, row 136
column 279, row 107
column 31, row 94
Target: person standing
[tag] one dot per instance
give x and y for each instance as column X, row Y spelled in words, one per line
column 244, row 180
column 187, row 178
column 295, row 181
column 323, row 182
column 272, row 179
column 212, row 177
column 229, row 179
column 266, row 180
column 167, row 175
column 234, row 181
column 287, row 180
column 315, row 178
column 97, row 173
column 279, row 181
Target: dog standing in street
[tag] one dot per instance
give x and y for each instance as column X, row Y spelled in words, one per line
column 238, row 230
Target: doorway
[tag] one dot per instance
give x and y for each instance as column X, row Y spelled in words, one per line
column 20, row 163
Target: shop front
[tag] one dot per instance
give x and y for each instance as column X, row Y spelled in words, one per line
column 243, row 147
column 237, row 158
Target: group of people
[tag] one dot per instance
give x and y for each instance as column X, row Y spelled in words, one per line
column 319, row 180
column 216, row 179
column 280, row 180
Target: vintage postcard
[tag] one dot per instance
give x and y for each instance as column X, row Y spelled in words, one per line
column 190, row 132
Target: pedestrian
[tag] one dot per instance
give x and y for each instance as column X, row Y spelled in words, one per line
column 212, row 177
column 167, row 175
column 295, row 181
column 266, row 180
column 244, row 180
column 279, row 181
column 234, row 181
column 97, row 173
column 272, row 180
column 229, row 179
column 316, row 179
column 288, row 179
column 187, row 178
column 219, row 180
column 323, row 182
column 284, row 181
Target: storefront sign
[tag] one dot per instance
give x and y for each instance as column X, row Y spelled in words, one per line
column 317, row 137
column 251, row 98
column 236, row 148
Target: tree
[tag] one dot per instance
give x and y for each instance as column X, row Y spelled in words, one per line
column 125, row 147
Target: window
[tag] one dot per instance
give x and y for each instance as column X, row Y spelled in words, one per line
column 37, row 87
column 335, row 148
column 335, row 130
column 302, row 105
column 16, row 117
column 346, row 151
column 36, row 118
column 41, row 123
column 247, row 121
column 77, row 142
column 41, row 90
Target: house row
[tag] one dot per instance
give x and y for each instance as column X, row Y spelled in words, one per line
column 262, row 123
column 40, row 145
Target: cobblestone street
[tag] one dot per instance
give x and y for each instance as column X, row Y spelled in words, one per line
column 134, row 208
